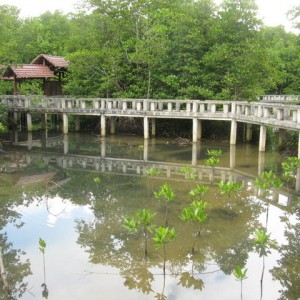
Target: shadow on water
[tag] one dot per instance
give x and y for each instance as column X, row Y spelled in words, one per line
column 98, row 183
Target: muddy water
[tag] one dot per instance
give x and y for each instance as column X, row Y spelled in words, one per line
column 80, row 211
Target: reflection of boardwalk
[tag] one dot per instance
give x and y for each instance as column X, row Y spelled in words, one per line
column 279, row 116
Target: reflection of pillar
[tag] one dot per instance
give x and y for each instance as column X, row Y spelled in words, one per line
column 66, row 144
column 233, row 132
column 112, row 125
column 232, row 156
column 262, row 138
column 248, row 132
column 15, row 136
column 44, row 138
column 297, row 187
column 299, row 146
column 281, row 135
column 194, row 153
column 15, row 119
column 153, row 127
column 146, row 128
column 103, row 148
column 44, row 121
column 29, row 140
column 195, row 130
column 77, row 123
column 261, row 162
column 29, row 122
column 65, row 124
column 103, row 128
column 146, row 149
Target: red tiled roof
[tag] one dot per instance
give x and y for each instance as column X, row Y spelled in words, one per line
column 55, row 61
column 28, row 71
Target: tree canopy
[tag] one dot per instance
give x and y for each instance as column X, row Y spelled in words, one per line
column 159, row 49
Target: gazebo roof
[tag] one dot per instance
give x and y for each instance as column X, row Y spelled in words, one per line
column 50, row 60
column 27, row 71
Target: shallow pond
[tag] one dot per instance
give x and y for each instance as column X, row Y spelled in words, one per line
column 74, row 193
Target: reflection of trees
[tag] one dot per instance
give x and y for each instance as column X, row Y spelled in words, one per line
column 15, row 267
column 288, row 270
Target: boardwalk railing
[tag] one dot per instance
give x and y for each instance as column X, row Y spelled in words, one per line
column 280, row 115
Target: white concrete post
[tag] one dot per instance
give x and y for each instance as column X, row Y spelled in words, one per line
column 102, row 125
column 146, row 128
column 146, row 149
column 153, row 127
column 262, row 138
column 195, row 130
column 29, row 122
column 232, row 156
column 233, row 132
column 44, row 121
column 248, row 132
column 199, row 133
column 66, row 144
column 65, row 124
column 112, row 125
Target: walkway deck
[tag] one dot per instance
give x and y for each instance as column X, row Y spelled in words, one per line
column 276, row 115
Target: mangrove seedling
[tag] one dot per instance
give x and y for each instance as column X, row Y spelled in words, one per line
column 142, row 219
column 229, row 187
column 189, row 172
column 195, row 214
column 289, row 168
column 214, row 152
column 151, row 172
column 167, row 195
column 263, row 243
column 198, row 192
column 240, row 275
column 42, row 248
column 162, row 236
column 267, row 181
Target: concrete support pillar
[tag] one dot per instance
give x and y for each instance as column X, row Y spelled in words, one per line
column 199, row 130
column 29, row 122
column 112, row 125
column 146, row 128
column 15, row 119
column 262, row 138
column 153, row 127
column 249, row 132
column 299, row 146
column 233, row 132
column 281, row 137
column 44, row 121
column 77, row 123
column 195, row 130
column 232, row 156
column 65, row 124
column 103, row 126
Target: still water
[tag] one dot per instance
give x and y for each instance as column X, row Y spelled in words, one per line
column 74, row 192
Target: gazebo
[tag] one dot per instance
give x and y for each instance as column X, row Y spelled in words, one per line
column 51, row 69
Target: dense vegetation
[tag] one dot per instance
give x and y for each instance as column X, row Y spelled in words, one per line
column 159, row 49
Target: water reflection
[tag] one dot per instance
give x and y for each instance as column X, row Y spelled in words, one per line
column 97, row 208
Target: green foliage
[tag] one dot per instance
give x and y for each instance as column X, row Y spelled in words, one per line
column 97, row 180
column 199, row 192
column 239, row 273
column 42, row 245
column 165, row 193
column 152, row 171
column 189, row 172
column 263, row 242
column 267, row 180
column 212, row 161
column 195, row 213
column 289, row 167
column 163, row 235
column 214, row 152
column 228, row 187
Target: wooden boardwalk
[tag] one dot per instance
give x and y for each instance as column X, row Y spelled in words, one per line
column 276, row 115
